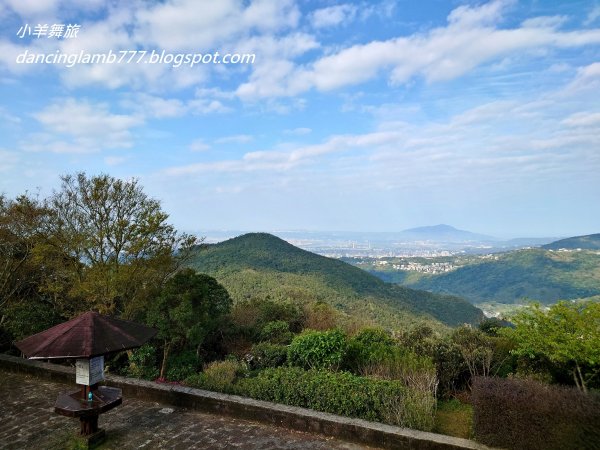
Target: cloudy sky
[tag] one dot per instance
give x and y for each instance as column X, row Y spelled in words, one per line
column 358, row 116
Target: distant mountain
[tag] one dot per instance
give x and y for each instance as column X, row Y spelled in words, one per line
column 588, row 242
column 528, row 242
column 536, row 274
column 445, row 233
column 263, row 265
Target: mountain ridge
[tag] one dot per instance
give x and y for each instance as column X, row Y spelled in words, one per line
column 260, row 264
column 537, row 274
column 586, row 242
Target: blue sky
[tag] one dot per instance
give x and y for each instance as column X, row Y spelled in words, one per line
column 358, row 116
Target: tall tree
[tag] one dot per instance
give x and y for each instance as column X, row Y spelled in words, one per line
column 187, row 310
column 23, row 224
column 117, row 240
column 24, row 308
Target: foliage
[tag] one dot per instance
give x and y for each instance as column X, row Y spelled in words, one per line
column 452, row 371
column 371, row 335
column 142, row 363
column 253, row 314
column 567, row 334
column 320, row 316
column 337, row 393
column 217, row 376
column 475, row 349
column 492, row 326
column 30, row 317
column 265, row 355
column 117, row 239
column 182, row 364
column 373, row 353
column 523, row 414
column 23, row 223
column 318, row 349
column 276, row 332
column 186, row 310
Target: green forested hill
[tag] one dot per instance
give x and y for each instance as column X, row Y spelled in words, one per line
column 261, row 265
column 588, row 242
column 537, row 274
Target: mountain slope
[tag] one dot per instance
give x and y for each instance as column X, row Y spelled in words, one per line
column 588, row 242
column 259, row 264
column 536, row 274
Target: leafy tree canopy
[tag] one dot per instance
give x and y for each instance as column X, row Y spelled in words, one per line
column 117, row 239
column 187, row 309
column 567, row 333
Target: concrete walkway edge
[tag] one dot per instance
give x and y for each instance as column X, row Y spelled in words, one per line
column 301, row 419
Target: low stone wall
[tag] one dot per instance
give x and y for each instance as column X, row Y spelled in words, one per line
column 301, row 419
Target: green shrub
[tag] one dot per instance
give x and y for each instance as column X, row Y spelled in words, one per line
column 142, row 363
column 276, row 332
column 182, row 365
column 265, row 355
column 369, row 336
column 338, row 393
column 217, row 376
column 381, row 358
column 318, row 349
column 528, row 415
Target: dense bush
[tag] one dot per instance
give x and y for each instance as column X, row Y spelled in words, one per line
column 369, row 336
column 318, row 349
column 182, row 365
column 265, row 355
column 525, row 414
column 320, row 316
column 142, row 363
column 217, row 376
column 276, row 332
column 338, row 393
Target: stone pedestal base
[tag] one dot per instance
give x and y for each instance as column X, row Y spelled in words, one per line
column 91, row 441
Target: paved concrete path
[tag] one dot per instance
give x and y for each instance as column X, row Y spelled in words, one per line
column 28, row 422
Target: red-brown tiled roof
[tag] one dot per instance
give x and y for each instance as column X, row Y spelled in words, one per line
column 90, row 334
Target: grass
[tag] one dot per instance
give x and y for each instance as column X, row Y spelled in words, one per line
column 454, row 418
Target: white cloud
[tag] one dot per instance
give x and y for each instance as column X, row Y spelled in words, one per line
column 235, row 139
column 469, row 40
column 582, row 119
column 115, row 160
column 153, row 106
column 592, row 16
column 79, row 126
column 207, row 106
column 30, row 9
column 545, row 22
column 33, row 8
column 588, row 78
column 198, row 145
column 333, row 15
column 300, row 131
column 285, row 160
column 517, row 142
column 203, row 25
column 175, row 26
column 9, row 118
column 487, row 13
